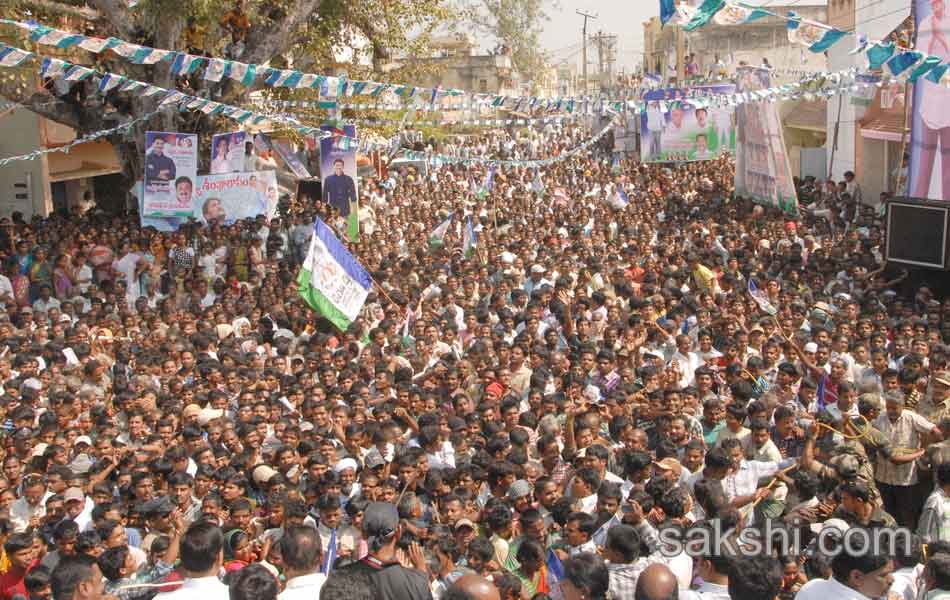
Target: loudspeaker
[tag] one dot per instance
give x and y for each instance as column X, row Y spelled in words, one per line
column 917, row 233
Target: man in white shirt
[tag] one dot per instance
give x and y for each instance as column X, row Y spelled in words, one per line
column 27, row 510
column 301, row 550
column 855, row 576
column 202, row 555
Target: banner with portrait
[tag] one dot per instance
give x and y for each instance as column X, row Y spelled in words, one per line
column 171, row 168
column 284, row 150
column 928, row 176
column 338, row 174
column 677, row 125
column 223, row 199
column 762, row 171
column 227, row 152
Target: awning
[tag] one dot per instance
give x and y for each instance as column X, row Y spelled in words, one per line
column 86, row 160
column 886, row 126
column 808, row 115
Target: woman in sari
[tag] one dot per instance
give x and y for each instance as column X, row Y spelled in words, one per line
column 41, row 272
column 63, row 278
column 240, row 261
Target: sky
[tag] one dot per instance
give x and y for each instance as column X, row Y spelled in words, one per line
column 623, row 18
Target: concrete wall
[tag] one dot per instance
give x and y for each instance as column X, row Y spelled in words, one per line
column 20, row 134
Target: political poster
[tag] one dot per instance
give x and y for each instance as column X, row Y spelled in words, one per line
column 762, row 170
column 284, row 150
column 338, row 174
column 928, row 177
column 677, row 125
column 227, row 152
column 171, row 168
column 223, row 199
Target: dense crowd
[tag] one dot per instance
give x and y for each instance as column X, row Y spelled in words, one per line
column 568, row 411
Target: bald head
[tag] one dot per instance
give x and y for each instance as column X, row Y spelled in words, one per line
column 657, row 582
column 476, row 588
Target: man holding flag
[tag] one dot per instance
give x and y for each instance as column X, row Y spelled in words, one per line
column 437, row 237
column 487, row 185
column 469, row 239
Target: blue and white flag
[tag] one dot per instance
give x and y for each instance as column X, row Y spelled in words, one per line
column 761, row 298
column 78, row 73
column 95, row 45
column 110, row 81
column 330, row 557
column 53, row 68
column 600, row 536
column 537, row 186
column 619, row 200
column 437, row 237
column 487, row 184
column 55, row 37
column 738, row 14
column 216, row 69
column 184, row 63
column 469, row 239
column 331, row 281
column 243, row 73
column 12, row 57
column 667, row 10
column 818, row 37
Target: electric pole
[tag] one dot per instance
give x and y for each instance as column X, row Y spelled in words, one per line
column 606, row 58
column 584, row 40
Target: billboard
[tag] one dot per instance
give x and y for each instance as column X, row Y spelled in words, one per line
column 227, row 152
column 338, row 174
column 171, row 168
column 762, row 170
column 928, row 176
column 672, row 128
column 222, row 199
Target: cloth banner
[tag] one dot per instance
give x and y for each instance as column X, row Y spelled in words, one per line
column 224, row 198
column 762, row 170
column 171, row 168
column 929, row 167
column 675, row 129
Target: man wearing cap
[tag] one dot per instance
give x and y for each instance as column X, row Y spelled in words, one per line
column 536, row 279
column 935, row 406
column 392, row 581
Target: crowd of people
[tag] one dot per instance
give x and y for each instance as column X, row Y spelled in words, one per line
column 566, row 412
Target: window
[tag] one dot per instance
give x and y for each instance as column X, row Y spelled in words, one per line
column 483, row 85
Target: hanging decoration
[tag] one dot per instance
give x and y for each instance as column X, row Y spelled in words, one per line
column 327, row 86
column 817, row 37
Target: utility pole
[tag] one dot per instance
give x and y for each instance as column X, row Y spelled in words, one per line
column 584, row 40
column 606, row 58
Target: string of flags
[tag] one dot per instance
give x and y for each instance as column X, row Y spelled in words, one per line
column 54, row 68
column 328, row 86
column 817, row 37
column 82, row 140
column 824, row 86
column 588, row 108
column 453, row 121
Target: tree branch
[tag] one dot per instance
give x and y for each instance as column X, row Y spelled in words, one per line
column 266, row 41
column 42, row 103
column 117, row 13
column 83, row 12
column 381, row 53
